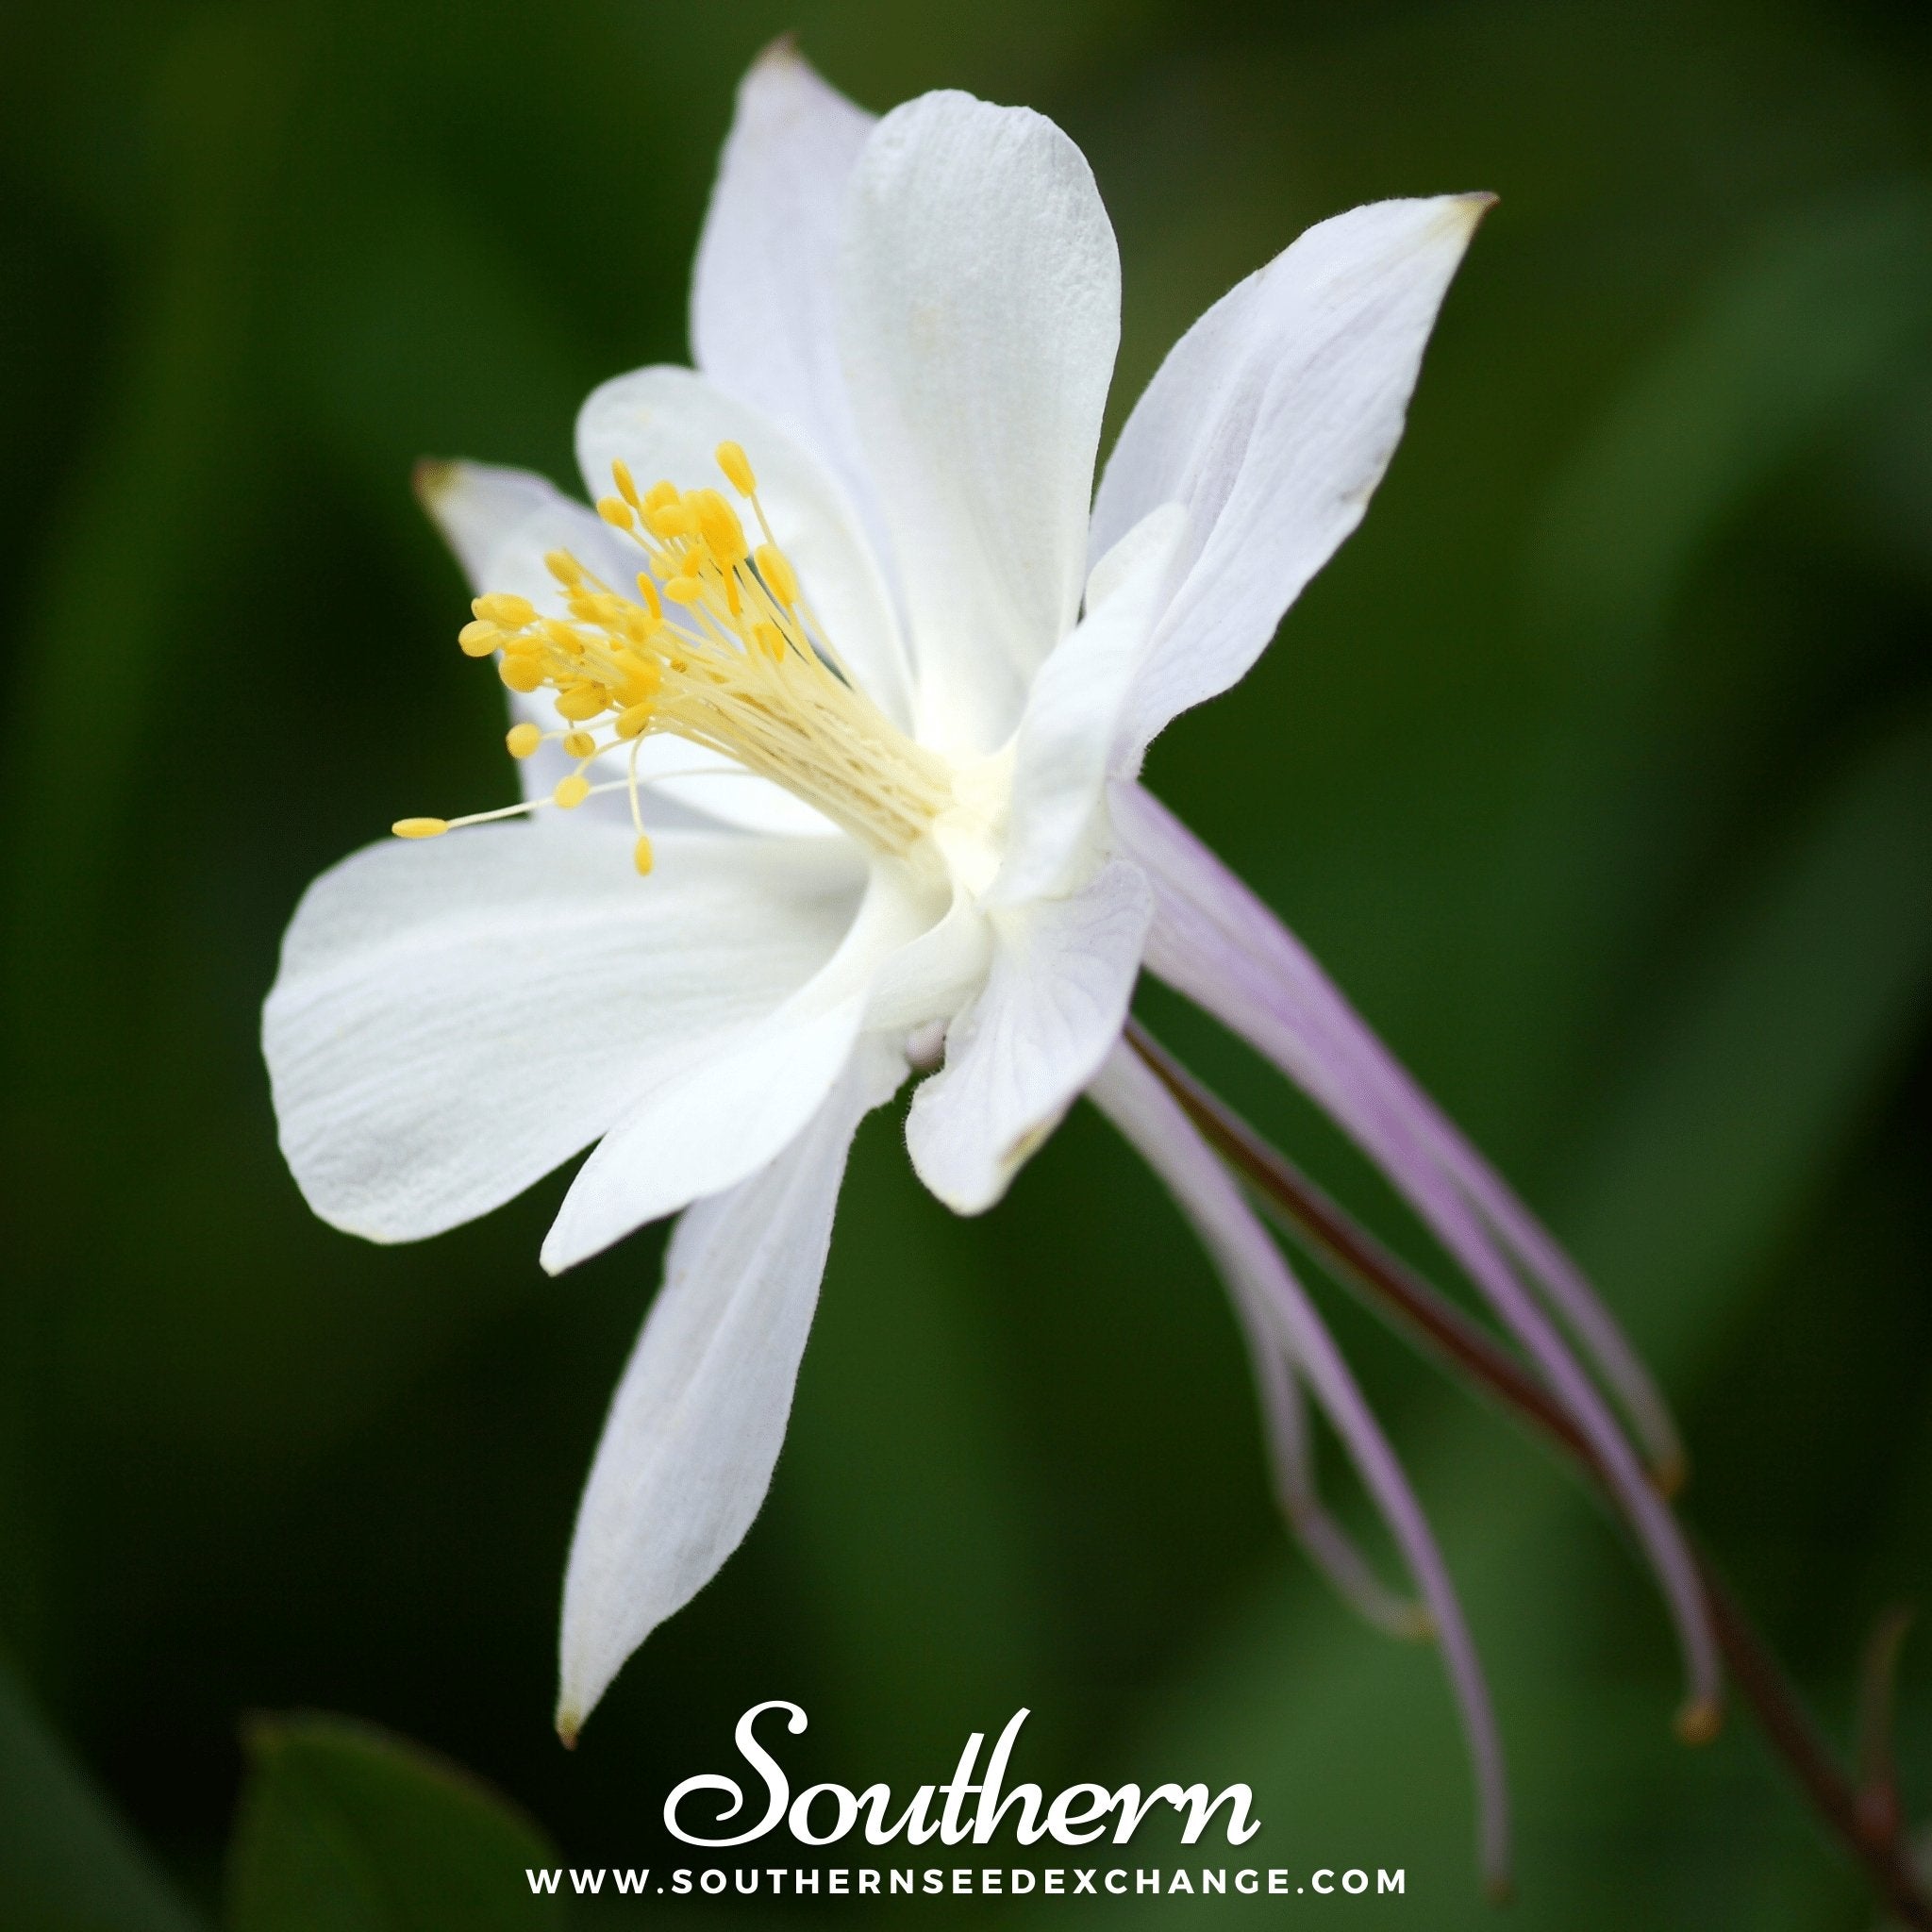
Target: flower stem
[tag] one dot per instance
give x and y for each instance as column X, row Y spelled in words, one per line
column 1875, row 1841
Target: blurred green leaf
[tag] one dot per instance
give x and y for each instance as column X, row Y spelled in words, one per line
column 413, row 334
column 1794, row 1006
column 66, row 1863
column 343, row 1829
column 1821, row 310
column 151, row 493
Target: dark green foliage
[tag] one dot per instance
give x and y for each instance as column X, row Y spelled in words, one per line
column 343, row 1829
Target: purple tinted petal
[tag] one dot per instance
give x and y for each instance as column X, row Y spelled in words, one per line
column 1214, row 940
column 1133, row 1098
column 1537, row 1250
column 1291, row 1465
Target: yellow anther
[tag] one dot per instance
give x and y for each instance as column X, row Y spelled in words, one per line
column 719, row 527
column 499, row 606
column 1700, row 1722
column 708, row 649
column 731, row 459
column 640, row 679
column 776, row 573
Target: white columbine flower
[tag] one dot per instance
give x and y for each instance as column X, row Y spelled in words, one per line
column 853, row 664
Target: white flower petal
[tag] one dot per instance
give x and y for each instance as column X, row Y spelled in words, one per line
column 1067, row 732
column 695, row 1427
column 1052, row 1008
column 1273, row 420
column 477, row 506
column 668, row 423
column 452, row 1019
column 934, row 976
column 704, row 1121
column 708, row 1118
column 980, row 312
column 764, row 291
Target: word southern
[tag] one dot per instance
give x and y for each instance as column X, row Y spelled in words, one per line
column 825, row 1813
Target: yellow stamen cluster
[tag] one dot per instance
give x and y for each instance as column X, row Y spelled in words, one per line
column 716, row 644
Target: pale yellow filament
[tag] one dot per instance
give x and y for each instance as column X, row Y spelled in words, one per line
column 739, row 665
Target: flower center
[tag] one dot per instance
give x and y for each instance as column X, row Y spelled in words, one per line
column 718, row 645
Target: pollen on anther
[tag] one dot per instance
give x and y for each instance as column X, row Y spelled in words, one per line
column 719, row 527
column 641, row 677
column 737, row 468
column 500, row 607
column 776, row 573
column 717, row 646
column 643, row 857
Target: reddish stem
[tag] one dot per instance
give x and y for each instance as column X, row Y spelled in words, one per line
column 1463, row 1345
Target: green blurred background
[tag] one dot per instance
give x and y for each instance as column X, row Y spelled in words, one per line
column 1598, row 767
